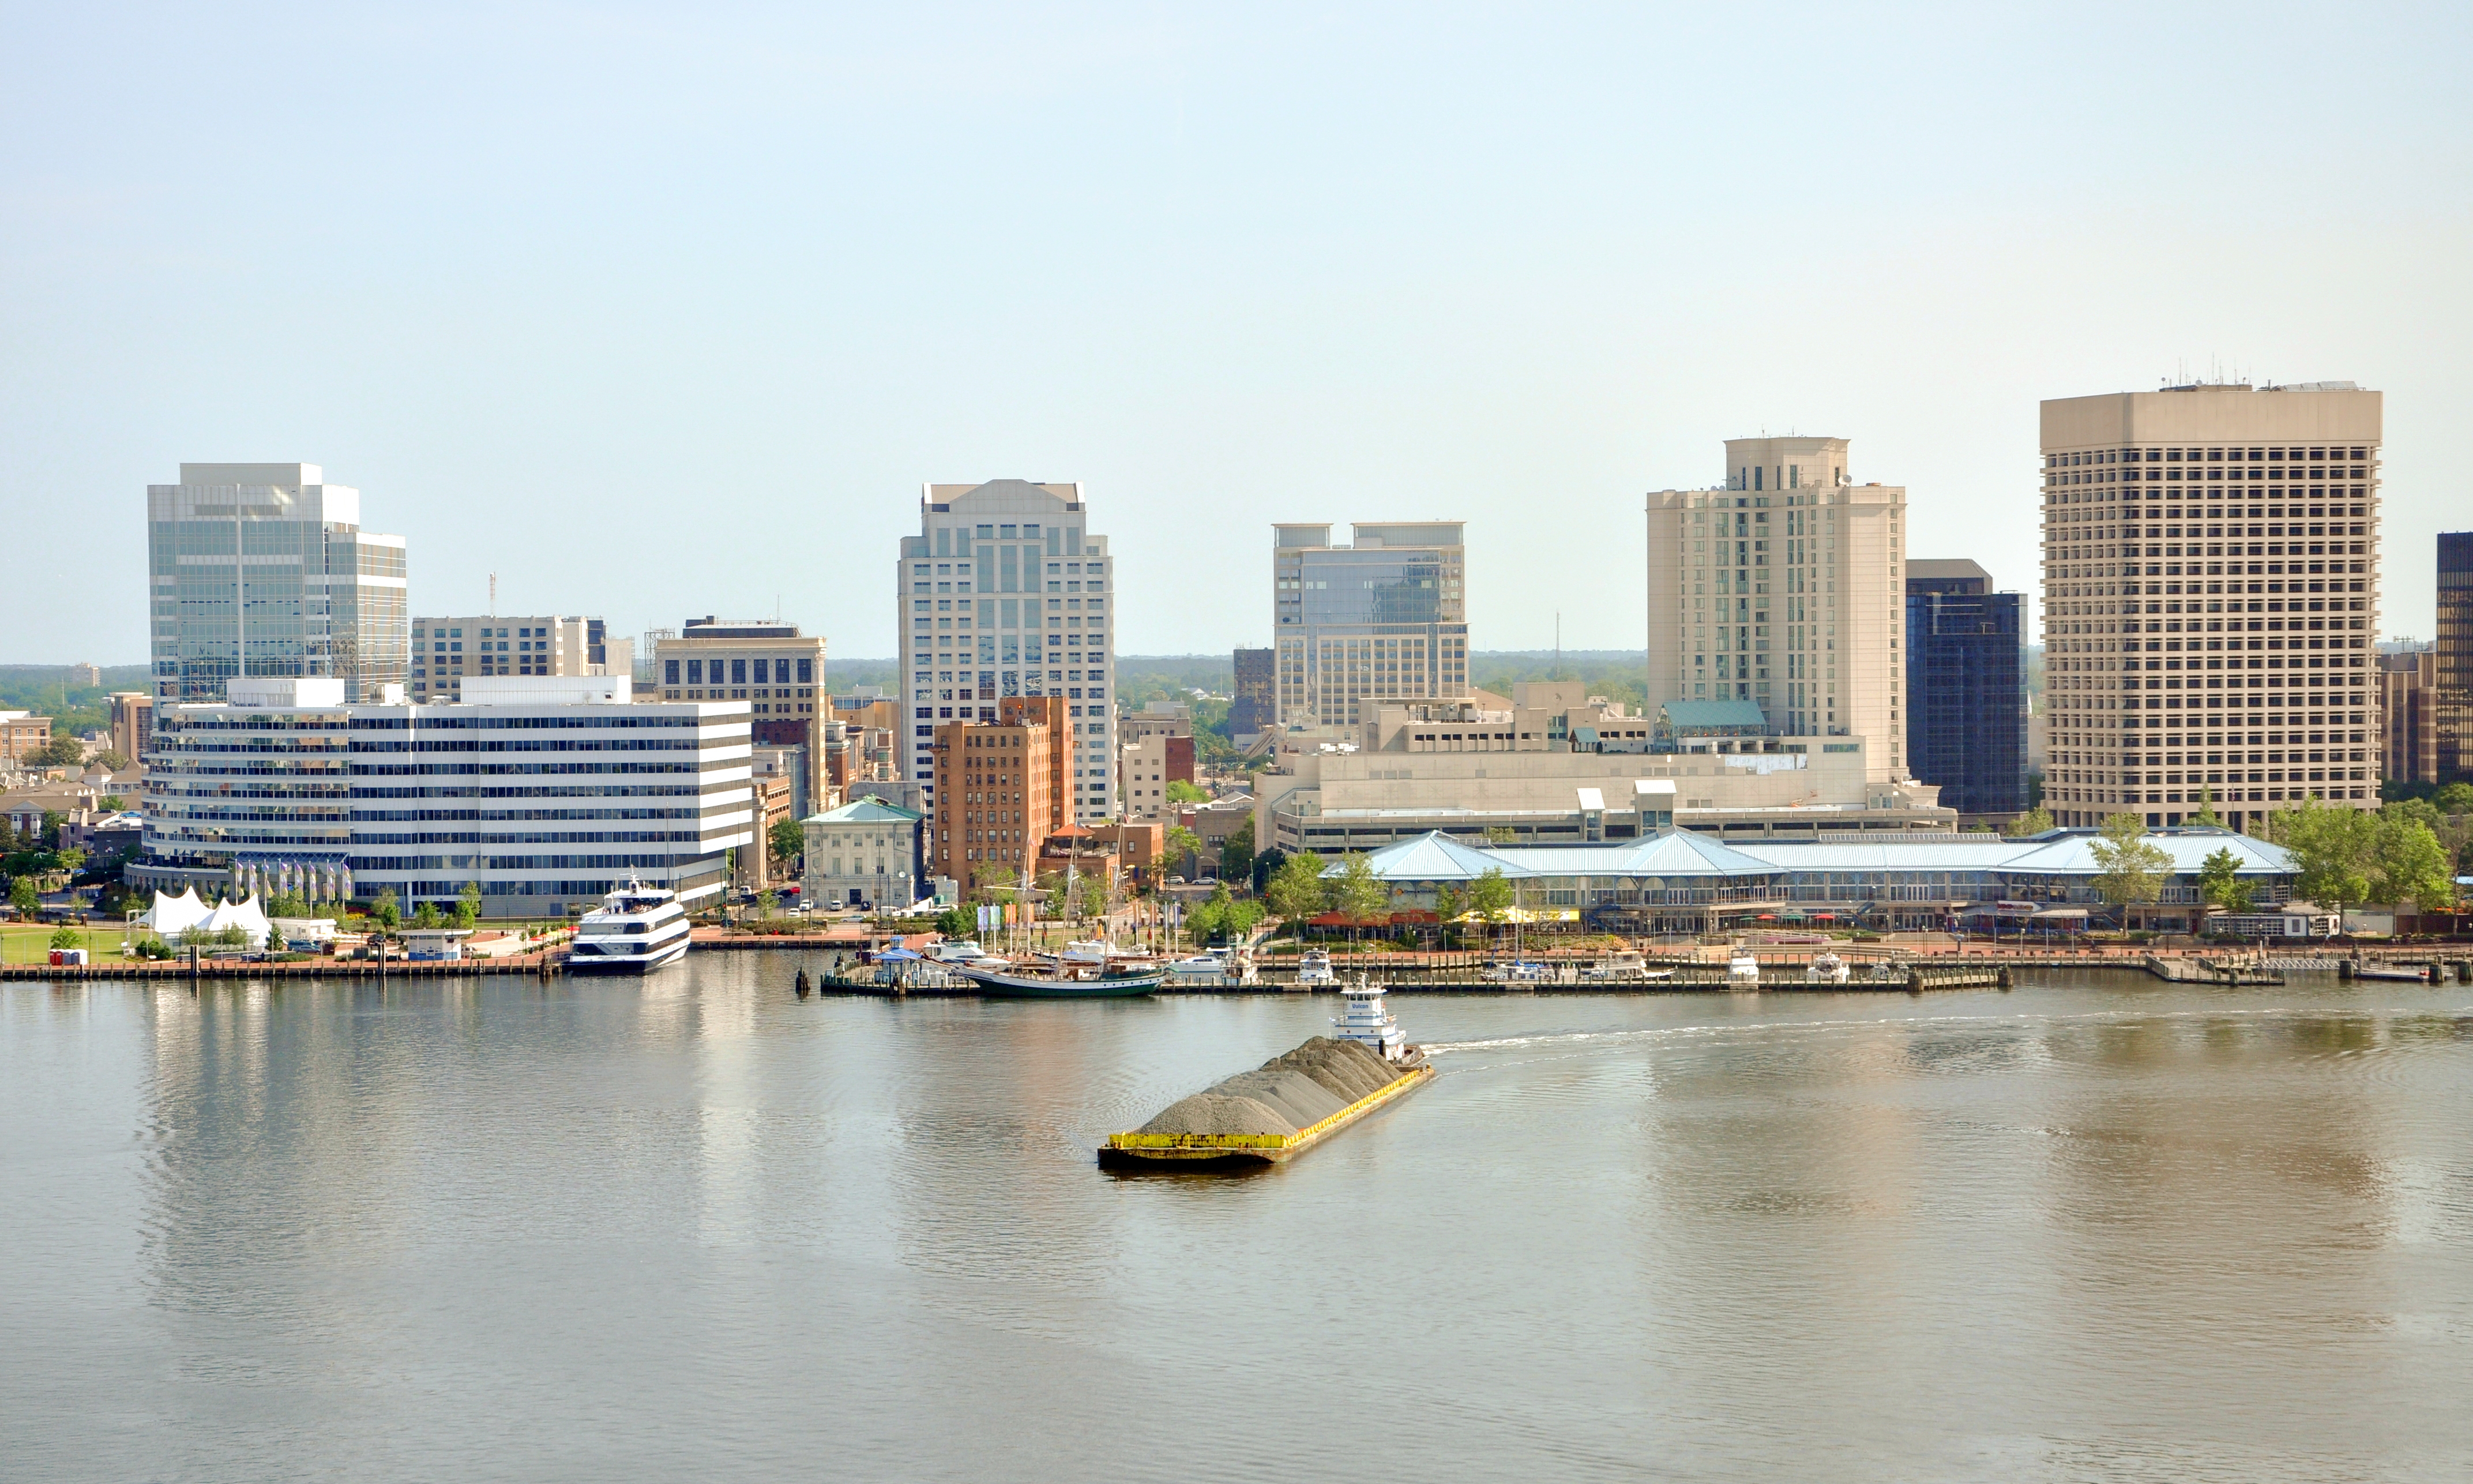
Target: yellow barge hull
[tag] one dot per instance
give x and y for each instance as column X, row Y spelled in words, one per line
column 1133, row 1151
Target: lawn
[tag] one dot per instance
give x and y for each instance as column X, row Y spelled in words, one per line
column 32, row 942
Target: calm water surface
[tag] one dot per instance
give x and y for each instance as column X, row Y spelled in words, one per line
column 488, row 1230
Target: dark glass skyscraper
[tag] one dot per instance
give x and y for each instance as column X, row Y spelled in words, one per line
column 2453, row 722
column 1966, row 687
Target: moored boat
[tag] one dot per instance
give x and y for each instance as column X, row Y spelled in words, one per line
column 1827, row 969
column 1744, row 968
column 1067, row 979
column 636, row 929
column 1314, row 968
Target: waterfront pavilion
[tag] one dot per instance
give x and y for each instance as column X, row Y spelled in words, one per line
column 1676, row 881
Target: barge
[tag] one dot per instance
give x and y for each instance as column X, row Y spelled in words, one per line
column 1288, row 1104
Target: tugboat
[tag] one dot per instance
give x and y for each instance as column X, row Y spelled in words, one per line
column 636, row 929
column 1370, row 1025
column 1827, row 969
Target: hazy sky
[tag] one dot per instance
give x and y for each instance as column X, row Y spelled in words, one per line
column 660, row 311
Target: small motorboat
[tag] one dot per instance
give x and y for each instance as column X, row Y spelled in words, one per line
column 1314, row 968
column 1744, row 968
column 1517, row 971
column 1827, row 969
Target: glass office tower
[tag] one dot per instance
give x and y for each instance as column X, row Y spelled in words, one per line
column 1966, row 686
column 2454, row 713
column 263, row 569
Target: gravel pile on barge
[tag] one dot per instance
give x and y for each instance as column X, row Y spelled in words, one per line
column 1287, row 1094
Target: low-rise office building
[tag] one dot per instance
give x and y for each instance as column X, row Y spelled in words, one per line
column 862, row 854
column 1557, row 765
column 546, row 791
column 1151, row 766
column 22, row 735
column 445, row 650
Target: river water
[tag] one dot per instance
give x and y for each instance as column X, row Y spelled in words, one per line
column 489, row 1229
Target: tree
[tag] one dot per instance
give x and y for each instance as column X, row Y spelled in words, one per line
column 2034, row 821
column 1236, row 853
column 1179, row 791
column 954, row 923
column 1296, row 890
column 276, row 942
column 2410, row 864
column 23, row 896
column 2454, row 798
column 1490, row 896
column 1500, row 834
column 1181, row 843
column 788, row 839
column 1448, row 904
column 2331, row 849
column 2132, row 868
column 1357, row 893
column 1093, row 902
column 2207, row 818
column 111, row 761
column 767, row 902
column 387, row 910
column 427, row 914
column 61, row 752
column 468, row 904
column 2220, row 882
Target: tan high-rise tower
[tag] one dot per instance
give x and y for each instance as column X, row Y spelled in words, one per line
column 1784, row 587
column 2210, row 600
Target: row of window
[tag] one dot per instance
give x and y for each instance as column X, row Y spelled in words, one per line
column 767, row 672
column 2219, row 455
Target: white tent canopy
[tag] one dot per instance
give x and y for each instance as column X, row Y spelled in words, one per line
column 171, row 916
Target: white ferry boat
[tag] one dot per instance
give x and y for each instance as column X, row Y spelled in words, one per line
column 1369, row 1023
column 636, row 929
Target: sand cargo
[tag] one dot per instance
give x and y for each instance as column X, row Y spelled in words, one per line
column 1272, row 1114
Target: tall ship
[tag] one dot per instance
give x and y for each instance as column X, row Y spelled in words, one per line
column 1085, row 970
column 636, row 929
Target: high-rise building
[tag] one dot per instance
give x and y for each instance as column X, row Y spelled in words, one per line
column 445, row 650
column 1383, row 619
column 1002, row 787
column 1966, row 686
column 1005, row 591
column 2211, row 579
column 1254, row 705
column 769, row 665
column 2452, row 714
column 1785, row 586
column 132, row 722
column 263, row 570
column 544, row 792
column 2409, row 714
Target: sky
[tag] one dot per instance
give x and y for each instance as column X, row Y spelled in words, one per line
column 662, row 311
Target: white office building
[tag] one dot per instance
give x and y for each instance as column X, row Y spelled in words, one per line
column 446, row 649
column 545, row 790
column 1005, row 591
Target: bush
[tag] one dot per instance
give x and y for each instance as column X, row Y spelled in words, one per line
column 67, row 938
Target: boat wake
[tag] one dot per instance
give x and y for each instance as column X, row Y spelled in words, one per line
column 2011, row 1021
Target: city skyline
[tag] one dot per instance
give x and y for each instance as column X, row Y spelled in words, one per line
column 1372, row 300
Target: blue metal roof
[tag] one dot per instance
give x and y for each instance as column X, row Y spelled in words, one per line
column 1685, row 854
column 1728, row 715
